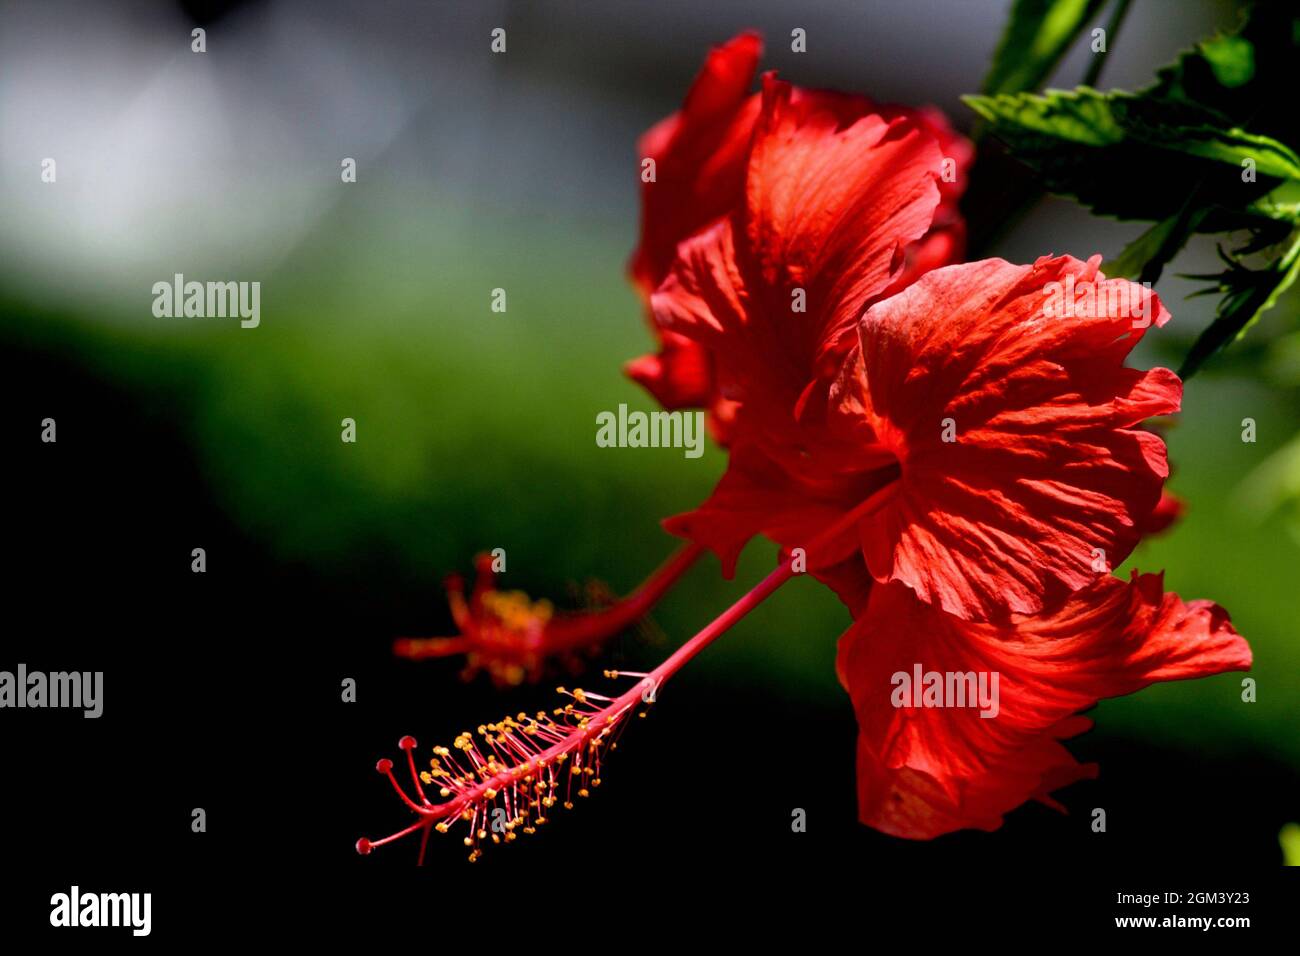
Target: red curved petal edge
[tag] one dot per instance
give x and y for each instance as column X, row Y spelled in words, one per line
column 925, row 770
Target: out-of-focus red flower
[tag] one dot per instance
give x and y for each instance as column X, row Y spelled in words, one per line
column 515, row 639
column 703, row 162
column 990, row 449
column 1168, row 510
column 926, row 770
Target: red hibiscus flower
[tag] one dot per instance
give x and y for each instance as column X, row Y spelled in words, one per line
column 958, row 450
column 926, row 770
column 703, row 159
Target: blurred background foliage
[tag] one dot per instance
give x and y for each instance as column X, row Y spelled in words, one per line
column 475, row 429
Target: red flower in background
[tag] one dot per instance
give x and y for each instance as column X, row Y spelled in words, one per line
column 515, row 639
column 1168, row 510
column 703, row 159
column 926, row 771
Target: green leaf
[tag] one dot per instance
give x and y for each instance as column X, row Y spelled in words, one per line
column 1083, row 117
column 1037, row 36
column 1146, row 256
column 1132, row 157
column 1231, row 59
column 1247, row 294
column 1247, row 77
column 1289, row 838
column 1281, row 205
column 1207, row 148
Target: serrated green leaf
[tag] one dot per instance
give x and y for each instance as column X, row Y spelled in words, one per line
column 1083, row 117
column 1086, row 117
column 1127, row 156
column 1036, row 37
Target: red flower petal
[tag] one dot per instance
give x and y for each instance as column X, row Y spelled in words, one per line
column 908, row 803
column 850, row 582
column 756, row 496
column 702, row 156
column 1167, row 511
column 678, row 377
column 699, row 156
column 829, row 209
column 1109, row 639
column 1021, row 469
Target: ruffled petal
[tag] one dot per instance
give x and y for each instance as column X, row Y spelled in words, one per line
column 703, row 161
column 907, row 803
column 1023, row 474
column 773, row 291
column 1031, row 675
